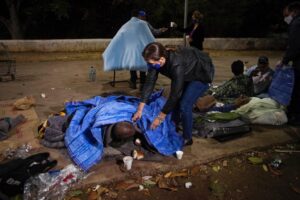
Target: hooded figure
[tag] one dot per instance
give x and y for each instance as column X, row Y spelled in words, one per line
column 125, row 49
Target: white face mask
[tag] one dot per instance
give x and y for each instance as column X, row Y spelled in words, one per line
column 288, row 19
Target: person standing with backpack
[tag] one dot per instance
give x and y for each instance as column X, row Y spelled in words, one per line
column 190, row 71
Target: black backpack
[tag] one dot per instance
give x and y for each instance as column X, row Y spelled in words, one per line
column 14, row 173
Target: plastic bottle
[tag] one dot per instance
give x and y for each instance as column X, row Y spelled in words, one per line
column 92, row 74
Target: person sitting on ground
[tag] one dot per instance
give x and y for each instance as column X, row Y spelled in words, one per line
column 240, row 84
column 261, row 75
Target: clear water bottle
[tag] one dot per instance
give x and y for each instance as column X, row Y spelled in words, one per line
column 92, row 74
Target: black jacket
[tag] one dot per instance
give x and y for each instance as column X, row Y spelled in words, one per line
column 182, row 66
column 293, row 50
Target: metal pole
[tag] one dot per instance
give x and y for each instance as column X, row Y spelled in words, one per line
column 186, row 2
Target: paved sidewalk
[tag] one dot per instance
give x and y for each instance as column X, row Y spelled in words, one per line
column 68, row 80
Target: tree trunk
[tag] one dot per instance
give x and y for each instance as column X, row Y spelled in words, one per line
column 16, row 32
column 13, row 23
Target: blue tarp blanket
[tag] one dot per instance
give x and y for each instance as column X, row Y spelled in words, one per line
column 282, row 85
column 84, row 135
column 125, row 49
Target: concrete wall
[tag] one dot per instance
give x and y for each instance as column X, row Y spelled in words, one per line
column 87, row 45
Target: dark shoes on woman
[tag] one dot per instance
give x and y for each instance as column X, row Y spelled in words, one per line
column 188, row 142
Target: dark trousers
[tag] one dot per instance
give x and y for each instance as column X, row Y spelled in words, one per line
column 294, row 107
column 183, row 112
column 198, row 45
column 133, row 76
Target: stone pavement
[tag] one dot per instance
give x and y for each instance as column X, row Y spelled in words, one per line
column 65, row 77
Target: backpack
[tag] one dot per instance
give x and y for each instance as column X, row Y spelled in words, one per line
column 14, row 173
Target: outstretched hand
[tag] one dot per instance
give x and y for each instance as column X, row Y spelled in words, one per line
column 164, row 29
column 137, row 116
column 155, row 123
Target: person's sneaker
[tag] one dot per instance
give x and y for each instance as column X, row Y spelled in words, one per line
column 132, row 85
column 188, row 142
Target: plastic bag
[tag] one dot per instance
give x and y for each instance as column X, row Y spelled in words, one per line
column 271, row 118
column 24, row 103
column 282, row 85
column 22, row 151
column 52, row 185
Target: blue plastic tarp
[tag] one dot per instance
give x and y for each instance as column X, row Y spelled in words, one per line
column 124, row 52
column 84, row 134
column 282, row 85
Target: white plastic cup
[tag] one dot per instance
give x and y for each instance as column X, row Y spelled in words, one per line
column 179, row 154
column 172, row 24
column 188, row 185
column 128, row 162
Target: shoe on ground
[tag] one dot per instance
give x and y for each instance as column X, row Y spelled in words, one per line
column 132, row 85
column 188, row 142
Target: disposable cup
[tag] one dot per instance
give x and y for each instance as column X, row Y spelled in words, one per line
column 128, row 162
column 179, row 154
column 172, row 24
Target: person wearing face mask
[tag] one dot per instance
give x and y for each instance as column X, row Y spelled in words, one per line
column 291, row 15
column 190, row 71
column 195, row 31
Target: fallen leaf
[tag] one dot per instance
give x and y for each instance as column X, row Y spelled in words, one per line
column 238, row 161
column 179, row 174
column 265, row 168
column 146, row 177
column 75, row 193
column 275, row 172
column 112, row 195
column 126, row 185
column 195, row 170
column 295, row 189
column 216, row 168
column 102, row 190
column 149, row 183
column 255, row 160
column 167, row 184
column 93, row 195
column 167, row 175
column 217, row 189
